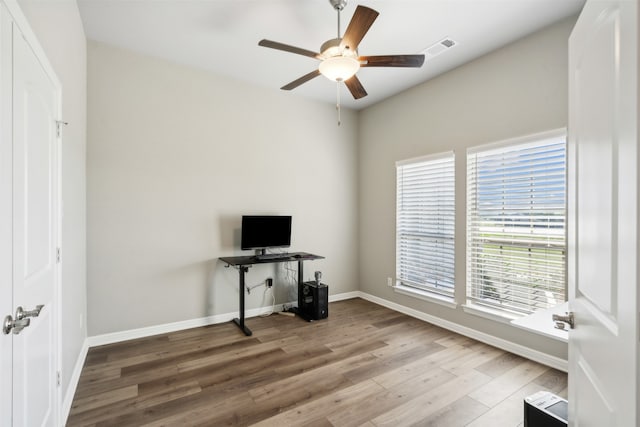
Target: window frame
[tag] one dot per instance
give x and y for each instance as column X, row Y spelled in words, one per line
column 515, row 309
column 441, row 285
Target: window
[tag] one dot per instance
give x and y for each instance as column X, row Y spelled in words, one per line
column 425, row 224
column 516, row 244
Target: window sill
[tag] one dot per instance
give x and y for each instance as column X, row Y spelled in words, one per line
column 488, row 313
column 425, row 296
column 540, row 323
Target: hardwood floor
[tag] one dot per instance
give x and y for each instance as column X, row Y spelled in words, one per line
column 363, row 366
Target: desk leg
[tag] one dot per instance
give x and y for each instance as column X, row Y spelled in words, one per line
column 300, row 273
column 299, row 310
column 300, row 281
column 240, row 321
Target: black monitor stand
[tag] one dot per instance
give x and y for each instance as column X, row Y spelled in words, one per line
column 243, row 263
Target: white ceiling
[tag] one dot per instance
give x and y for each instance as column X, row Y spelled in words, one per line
column 222, row 36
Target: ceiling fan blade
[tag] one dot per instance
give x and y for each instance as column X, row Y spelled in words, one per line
column 392, row 61
column 294, row 84
column 355, row 87
column 288, row 48
column 360, row 23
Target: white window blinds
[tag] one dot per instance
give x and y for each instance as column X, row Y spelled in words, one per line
column 516, row 244
column 425, row 223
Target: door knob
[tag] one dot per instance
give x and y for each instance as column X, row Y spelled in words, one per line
column 22, row 313
column 21, row 321
column 568, row 318
column 14, row 325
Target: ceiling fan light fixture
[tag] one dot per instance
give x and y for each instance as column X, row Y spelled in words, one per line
column 339, row 58
column 339, row 68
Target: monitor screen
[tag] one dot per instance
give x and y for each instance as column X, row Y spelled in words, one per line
column 260, row 232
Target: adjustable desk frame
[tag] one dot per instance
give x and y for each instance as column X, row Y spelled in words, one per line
column 243, row 263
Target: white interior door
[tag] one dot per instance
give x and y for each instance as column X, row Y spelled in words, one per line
column 6, row 245
column 603, row 215
column 33, row 225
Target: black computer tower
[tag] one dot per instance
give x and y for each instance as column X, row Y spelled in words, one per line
column 313, row 300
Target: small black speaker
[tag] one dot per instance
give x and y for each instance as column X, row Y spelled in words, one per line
column 313, row 300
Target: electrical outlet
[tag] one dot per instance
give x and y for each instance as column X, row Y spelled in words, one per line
column 389, row 282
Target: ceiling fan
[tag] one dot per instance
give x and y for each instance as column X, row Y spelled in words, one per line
column 339, row 57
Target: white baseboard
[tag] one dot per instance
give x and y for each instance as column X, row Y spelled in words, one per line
column 537, row 356
column 73, row 383
column 115, row 337
column 344, row 296
column 520, row 350
column 131, row 334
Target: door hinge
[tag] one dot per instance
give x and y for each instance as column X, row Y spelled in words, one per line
column 58, row 381
column 57, row 255
column 59, row 124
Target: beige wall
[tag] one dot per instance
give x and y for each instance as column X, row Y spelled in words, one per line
column 175, row 157
column 514, row 91
column 59, row 30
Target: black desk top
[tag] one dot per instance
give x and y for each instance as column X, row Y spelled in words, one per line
column 251, row 259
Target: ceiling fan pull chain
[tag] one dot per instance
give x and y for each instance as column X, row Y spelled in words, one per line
column 338, row 101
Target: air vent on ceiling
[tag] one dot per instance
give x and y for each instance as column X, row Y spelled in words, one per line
column 440, row 47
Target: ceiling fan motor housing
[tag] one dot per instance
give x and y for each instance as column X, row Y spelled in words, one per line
column 333, row 47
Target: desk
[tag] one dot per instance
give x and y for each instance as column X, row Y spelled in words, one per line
column 243, row 263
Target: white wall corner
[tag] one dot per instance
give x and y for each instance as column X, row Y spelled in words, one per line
column 73, row 383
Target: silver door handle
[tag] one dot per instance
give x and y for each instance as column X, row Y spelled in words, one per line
column 22, row 313
column 21, row 321
column 14, row 325
column 568, row 318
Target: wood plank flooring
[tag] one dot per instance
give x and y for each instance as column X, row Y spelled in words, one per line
column 365, row 365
